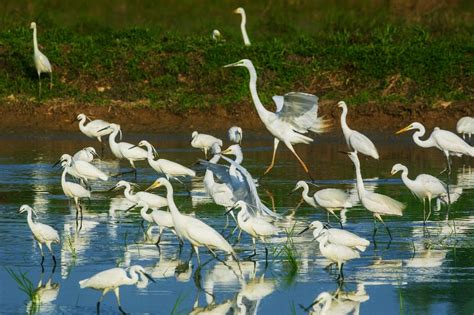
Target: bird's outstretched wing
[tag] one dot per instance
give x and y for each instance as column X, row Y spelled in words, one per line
column 301, row 111
column 279, row 101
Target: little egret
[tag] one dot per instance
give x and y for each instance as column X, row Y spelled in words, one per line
column 73, row 190
column 216, row 35
column 41, row 61
column 465, row 126
column 235, row 134
column 424, row 187
column 152, row 200
column 203, row 141
column 198, row 233
column 82, row 169
column 122, row 150
column 241, row 11
column 326, row 304
column 354, row 139
column 94, row 129
column 376, row 203
column 338, row 236
column 161, row 218
column 297, row 116
column 86, row 154
column 43, row 234
column 330, row 199
column 112, row 279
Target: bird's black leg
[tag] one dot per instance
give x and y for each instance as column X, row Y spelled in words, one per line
column 98, row 308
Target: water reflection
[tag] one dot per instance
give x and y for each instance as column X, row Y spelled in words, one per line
column 339, row 302
column 44, row 295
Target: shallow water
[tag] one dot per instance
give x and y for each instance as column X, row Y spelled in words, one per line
column 421, row 271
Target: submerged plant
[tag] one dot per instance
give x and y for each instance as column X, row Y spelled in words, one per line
column 25, row 285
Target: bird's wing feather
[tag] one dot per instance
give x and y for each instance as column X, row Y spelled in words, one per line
column 301, row 111
column 106, row 279
column 205, row 235
column 448, row 140
column 279, row 101
column 47, row 232
column 362, row 144
column 386, row 204
column 431, row 183
column 45, row 62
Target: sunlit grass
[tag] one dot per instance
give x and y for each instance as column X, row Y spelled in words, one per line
column 26, row 286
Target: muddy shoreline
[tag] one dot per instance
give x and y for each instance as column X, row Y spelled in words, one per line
column 59, row 116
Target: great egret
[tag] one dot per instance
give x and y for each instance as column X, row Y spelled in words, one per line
column 113, row 279
column 198, row 233
column 241, row 11
column 161, row 218
column 424, row 187
column 235, row 134
column 73, row 190
column 122, row 150
column 380, row 205
column 87, row 154
column 465, row 126
column 355, row 140
column 43, row 234
column 330, row 199
column 255, row 226
column 297, row 115
column 338, row 236
column 82, row 169
column 152, row 200
column 41, row 61
column 203, row 141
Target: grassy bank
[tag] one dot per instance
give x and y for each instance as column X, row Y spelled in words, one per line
column 161, row 55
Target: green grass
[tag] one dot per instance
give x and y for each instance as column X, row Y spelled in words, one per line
column 25, row 285
column 152, row 55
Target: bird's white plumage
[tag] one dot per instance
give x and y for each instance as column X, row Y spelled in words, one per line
column 243, row 28
column 124, row 150
column 86, row 154
column 235, row 134
column 424, row 186
column 254, row 225
column 70, row 189
column 152, row 200
column 329, row 198
column 203, row 141
column 465, row 126
column 339, row 236
column 83, row 169
column 95, row 128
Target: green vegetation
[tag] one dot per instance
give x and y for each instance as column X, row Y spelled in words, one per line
column 162, row 55
column 25, row 285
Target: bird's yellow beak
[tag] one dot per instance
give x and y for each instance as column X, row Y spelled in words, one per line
column 403, row 130
column 235, row 64
column 392, row 173
column 236, row 11
column 156, row 184
column 226, row 151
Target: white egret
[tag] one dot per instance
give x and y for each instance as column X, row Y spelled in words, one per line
column 216, row 35
column 235, row 134
column 42, row 233
column 168, row 168
column 189, row 228
column 122, row 150
column 87, row 154
column 203, row 141
column 95, row 128
column 113, row 279
column 380, row 205
column 355, row 140
column 41, row 61
column 297, row 116
column 73, row 190
column 330, row 199
column 241, row 11
column 152, row 200
column 338, row 236
column 252, row 293
column 340, row 304
column 465, row 126
column 255, row 226
column 82, row 169
column 161, row 218
column 424, row 187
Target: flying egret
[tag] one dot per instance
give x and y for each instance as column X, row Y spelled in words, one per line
column 87, row 154
column 73, row 190
column 255, row 226
column 112, row 279
column 161, row 218
column 122, row 150
column 465, row 126
column 235, row 134
column 189, row 228
column 42, row 233
column 330, row 199
column 94, row 129
column 152, row 200
column 355, row 140
column 41, row 61
column 203, row 141
column 380, row 205
column 166, row 167
column 82, row 169
column 241, row 11
column 295, row 116
column 424, row 187
column 338, row 236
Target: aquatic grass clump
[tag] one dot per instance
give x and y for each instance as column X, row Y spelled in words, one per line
column 25, row 285
column 290, row 257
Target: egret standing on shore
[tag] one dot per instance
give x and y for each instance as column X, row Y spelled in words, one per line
column 241, row 11
column 41, row 61
column 295, row 116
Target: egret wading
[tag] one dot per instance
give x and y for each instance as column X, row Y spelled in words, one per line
column 81, row 169
column 113, row 279
column 295, row 116
column 152, row 200
column 235, row 134
column 96, row 128
column 87, row 154
column 465, row 126
column 243, row 23
column 203, row 141
column 41, row 61
column 73, row 190
column 42, row 233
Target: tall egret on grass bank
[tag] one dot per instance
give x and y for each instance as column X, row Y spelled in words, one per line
column 297, row 116
column 424, row 187
column 203, row 141
column 41, row 61
column 160, row 218
column 152, row 200
column 87, row 154
column 330, row 199
column 465, row 126
column 43, row 234
column 235, row 134
column 354, row 139
column 73, row 190
column 216, row 35
column 380, row 205
column 241, row 11
column 198, row 233
column 113, row 279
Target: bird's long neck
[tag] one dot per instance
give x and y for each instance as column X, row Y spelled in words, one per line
column 144, row 214
column 35, row 41
column 405, row 178
column 422, row 143
column 262, row 111
column 306, row 196
column 360, row 182
column 63, row 177
column 113, row 135
column 244, row 30
column 209, row 175
column 344, row 125
column 82, row 123
column 30, row 218
column 169, row 196
column 133, row 277
column 239, row 157
column 128, row 193
column 149, row 152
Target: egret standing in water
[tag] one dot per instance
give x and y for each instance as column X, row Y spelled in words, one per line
column 354, row 139
column 160, row 218
column 87, row 154
column 203, row 141
column 96, row 128
column 152, row 200
column 41, row 61
column 235, row 134
column 43, row 234
column 73, row 190
column 113, row 279
column 465, row 126
column 295, row 116
column 241, row 11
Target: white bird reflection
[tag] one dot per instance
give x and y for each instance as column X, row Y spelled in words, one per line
column 465, row 177
column 44, row 296
column 252, row 293
column 340, row 302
